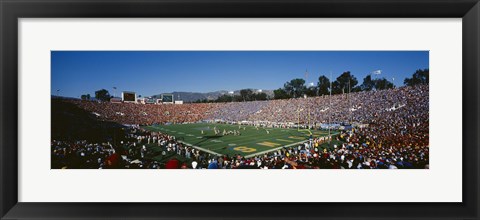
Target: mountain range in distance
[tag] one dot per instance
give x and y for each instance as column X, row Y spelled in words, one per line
column 195, row 96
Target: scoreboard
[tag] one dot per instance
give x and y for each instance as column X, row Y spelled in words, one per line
column 167, row 98
column 129, row 96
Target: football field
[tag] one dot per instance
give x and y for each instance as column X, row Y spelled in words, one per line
column 251, row 141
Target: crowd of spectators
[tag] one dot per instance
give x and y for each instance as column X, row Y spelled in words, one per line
column 351, row 154
column 396, row 134
column 238, row 111
column 146, row 114
column 80, row 154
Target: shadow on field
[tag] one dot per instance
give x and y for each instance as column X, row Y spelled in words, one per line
column 207, row 138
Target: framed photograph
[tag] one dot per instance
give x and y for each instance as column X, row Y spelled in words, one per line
column 249, row 110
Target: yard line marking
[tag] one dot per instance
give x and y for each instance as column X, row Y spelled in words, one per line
column 297, row 138
column 284, row 140
column 278, row 148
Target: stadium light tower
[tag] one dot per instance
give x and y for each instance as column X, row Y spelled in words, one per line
column 348, row 99
column 330, row 112
column 298, row 122
column 306, row 75
column 231, row 93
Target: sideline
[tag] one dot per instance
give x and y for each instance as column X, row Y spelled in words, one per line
column 274, row 149
column 199, row 148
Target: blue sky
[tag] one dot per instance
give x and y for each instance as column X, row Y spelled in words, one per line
column 153, row 72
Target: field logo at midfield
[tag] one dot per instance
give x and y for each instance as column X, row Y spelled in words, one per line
column 245, row 149
column 268, row 144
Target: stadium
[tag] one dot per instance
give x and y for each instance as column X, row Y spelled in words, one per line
column 366, row 129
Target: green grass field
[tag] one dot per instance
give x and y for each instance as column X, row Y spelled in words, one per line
column 251, row 142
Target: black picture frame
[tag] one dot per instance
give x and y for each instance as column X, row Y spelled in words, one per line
column 12, row 10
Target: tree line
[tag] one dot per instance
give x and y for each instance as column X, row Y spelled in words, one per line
column 244, row 95
column 345, row 83
column 296, row 88
column 101, row 95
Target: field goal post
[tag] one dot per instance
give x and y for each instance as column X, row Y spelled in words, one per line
column 308, row 120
